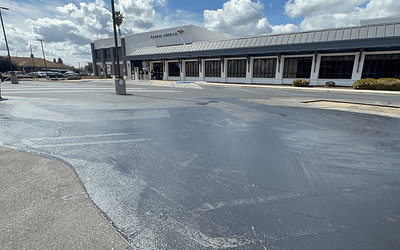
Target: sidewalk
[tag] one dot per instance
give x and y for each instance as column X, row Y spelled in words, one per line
column 198, row 84
column 43, row 206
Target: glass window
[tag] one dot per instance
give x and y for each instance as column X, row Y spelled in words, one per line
column 237, row 68
column 336, row 67
column 173, row 69
column 381, row 66
column 264, row 68
column 192, row 69
column 297, row 67
column 213, row 68
column 98, row 54
column 119, row 52
column 108, row 53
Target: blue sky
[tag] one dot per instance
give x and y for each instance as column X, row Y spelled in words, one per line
column 68, row 26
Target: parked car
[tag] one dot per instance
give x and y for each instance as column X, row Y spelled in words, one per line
column 70, row 73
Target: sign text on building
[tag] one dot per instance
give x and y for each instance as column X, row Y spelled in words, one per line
column 168, row 34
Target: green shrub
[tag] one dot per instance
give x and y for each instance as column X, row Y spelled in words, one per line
column 378, row 84
column 301, row 83
column 74, row 78
column 330, row 84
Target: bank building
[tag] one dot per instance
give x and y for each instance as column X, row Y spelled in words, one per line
column 190, row 53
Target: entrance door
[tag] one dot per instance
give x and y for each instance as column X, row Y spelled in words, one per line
column 158, row 71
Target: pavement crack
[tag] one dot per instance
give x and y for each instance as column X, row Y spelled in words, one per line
column 306, row 215
column 271, row 189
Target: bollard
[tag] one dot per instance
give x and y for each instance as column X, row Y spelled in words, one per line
column 14, row 79
column 120, row 86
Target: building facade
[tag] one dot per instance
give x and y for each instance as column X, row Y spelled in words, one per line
column 190, row 53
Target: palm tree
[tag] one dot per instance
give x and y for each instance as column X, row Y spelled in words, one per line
column 118, row 20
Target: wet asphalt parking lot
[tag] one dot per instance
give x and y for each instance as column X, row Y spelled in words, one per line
column 197, row 166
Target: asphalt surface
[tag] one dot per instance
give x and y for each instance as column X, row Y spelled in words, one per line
column 201, row 166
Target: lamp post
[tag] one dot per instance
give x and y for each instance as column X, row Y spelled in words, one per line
column 33, row 61
column 13, row 79
column 44, row 57
column 120, row 87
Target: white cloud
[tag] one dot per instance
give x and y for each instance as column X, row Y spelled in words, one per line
column 92, row 18
column 241, row 18
column 68, row 30
column 297, row 8
column 284, row 28
column 342, row 13
column 139, row 15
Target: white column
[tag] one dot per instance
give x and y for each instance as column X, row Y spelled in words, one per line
column 249, row 72
column 183, row 71
column 136, row 69
column 358, row 64
column 279, row 70
column 224, row 72
column 202, row 73
column 165, row 78
column 129, row 73
column 315, row 69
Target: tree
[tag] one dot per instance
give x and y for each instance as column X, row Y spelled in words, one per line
column 54, row 60
column 5, row 65
column 60, row 60
column 118, row 20
column 89, row 68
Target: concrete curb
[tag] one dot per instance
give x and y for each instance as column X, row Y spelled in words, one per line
column 44, row 206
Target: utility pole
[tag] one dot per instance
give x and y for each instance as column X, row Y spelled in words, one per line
column 120, row 87
column 13, row 80
column 44, row 57
column 33, row 61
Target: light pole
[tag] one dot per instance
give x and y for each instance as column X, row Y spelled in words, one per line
column 120, row 87
column 33, row 61
column 8, row 50
column 44, row 57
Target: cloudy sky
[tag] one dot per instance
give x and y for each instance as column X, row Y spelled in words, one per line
column 68, row 26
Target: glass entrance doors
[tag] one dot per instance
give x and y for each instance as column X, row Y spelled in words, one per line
column 158, row 72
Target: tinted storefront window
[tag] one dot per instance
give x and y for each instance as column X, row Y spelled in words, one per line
column 264, row 68
column 237, row 68
column 173, row 69
column 336, row 67
column 297, row 67
column 108, row 53
column 192, row 69
column 213, row 68
column 98, row 54
column 381, row 66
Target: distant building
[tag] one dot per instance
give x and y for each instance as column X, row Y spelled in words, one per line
column 190, row 53
column 26, row 63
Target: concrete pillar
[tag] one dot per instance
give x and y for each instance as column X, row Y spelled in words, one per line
column 358, row 66
column 136, row 70
column 315, row 69
column 113, row 64
column 202, row 72
column 249, row 72
column 103, row 62
column 123, row 51
column 129, row 71
column 183, row 70
column 165, row 78
column 224, row 67
column 94, row 60
column 279, row 70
